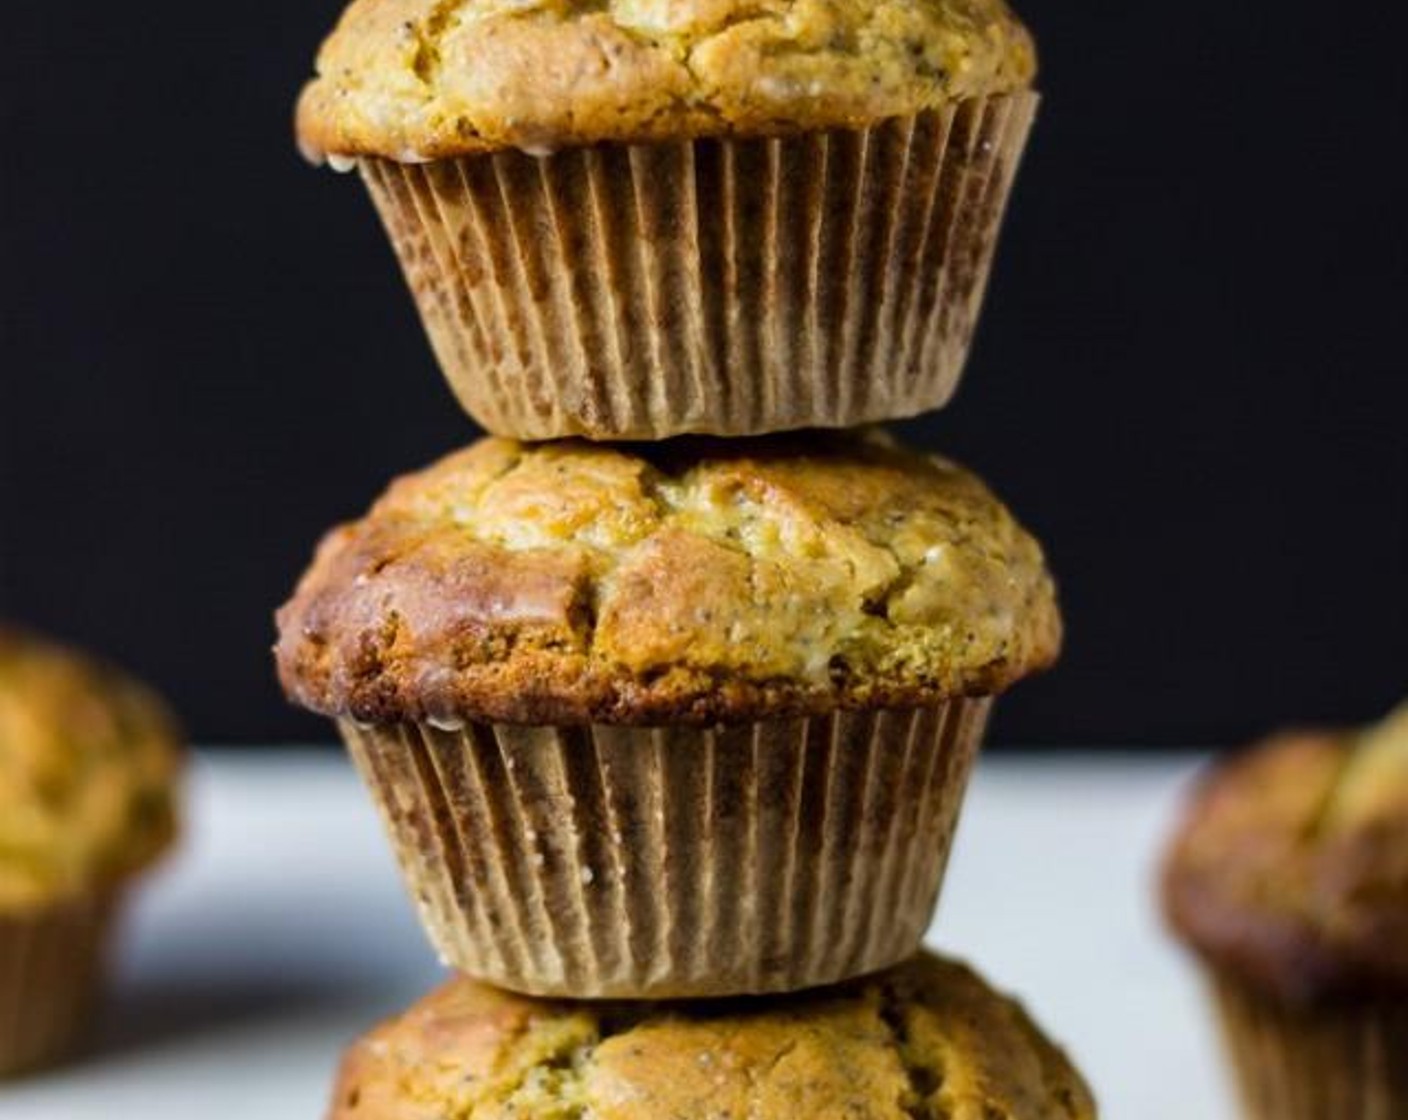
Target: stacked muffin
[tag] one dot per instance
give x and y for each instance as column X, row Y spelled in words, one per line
column 689, row 718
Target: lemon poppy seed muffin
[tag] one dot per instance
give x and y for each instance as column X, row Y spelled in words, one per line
column 88, row 762
column 1289, row 880
column 928, row 1039
column 645, row 218
column 697, row 581
column 691, row 720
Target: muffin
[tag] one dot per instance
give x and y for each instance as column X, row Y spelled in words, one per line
column 88, row 762
column 1289, row 879
column 929, row 1039
column 687, row 720
column 632, row 220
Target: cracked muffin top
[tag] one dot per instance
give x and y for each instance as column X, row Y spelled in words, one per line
column 413, row 80
column 1291, row 867
column 928, row 1039
column 692, row 581
column 88, row 761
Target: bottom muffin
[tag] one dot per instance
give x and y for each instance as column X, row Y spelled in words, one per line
column 1289, row 879
column 927, row 1040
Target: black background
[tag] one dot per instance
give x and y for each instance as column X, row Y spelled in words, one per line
column 1190, row 381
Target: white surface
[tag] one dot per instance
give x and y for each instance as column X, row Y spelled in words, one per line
column 281, row 933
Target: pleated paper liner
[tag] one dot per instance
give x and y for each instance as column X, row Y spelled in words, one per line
column 643, row 863
column 52, row 965
column 1339, row 1062
column 726, row 287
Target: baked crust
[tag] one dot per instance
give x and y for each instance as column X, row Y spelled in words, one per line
column 1290, row 870
column 927, row 1039
column 414, row 80
column 88, row 764
column 696, row 581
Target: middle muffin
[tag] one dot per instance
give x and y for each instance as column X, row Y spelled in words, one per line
column 690, row 720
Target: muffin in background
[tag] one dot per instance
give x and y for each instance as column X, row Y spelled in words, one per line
column 635, row 220
column 1289, row 879
column 88, row 766
column 928, row 1039
column 688, row 720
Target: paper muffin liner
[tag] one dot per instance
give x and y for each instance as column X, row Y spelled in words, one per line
column 1339, row 1062
column 645, row 863
column 716, row 286
column 52, row 965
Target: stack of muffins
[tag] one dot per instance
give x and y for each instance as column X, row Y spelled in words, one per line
column 689, row 717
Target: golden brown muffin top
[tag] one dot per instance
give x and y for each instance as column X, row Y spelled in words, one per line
column 1291, row 867
column 929, row 1039
column 413, row 80
column 694, row 581
column 88, row 762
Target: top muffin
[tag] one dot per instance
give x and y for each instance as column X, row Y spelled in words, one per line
column 1291, row 869
column 88, row 760
column 690, row 581
column 928, row 1039
column 414, row 80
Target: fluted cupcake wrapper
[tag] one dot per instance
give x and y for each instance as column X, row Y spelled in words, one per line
column 617, row 862
column 726, row 287
column 52, row 964
column 1341, row 1062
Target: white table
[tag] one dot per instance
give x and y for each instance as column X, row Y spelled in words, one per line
column 281, row 932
